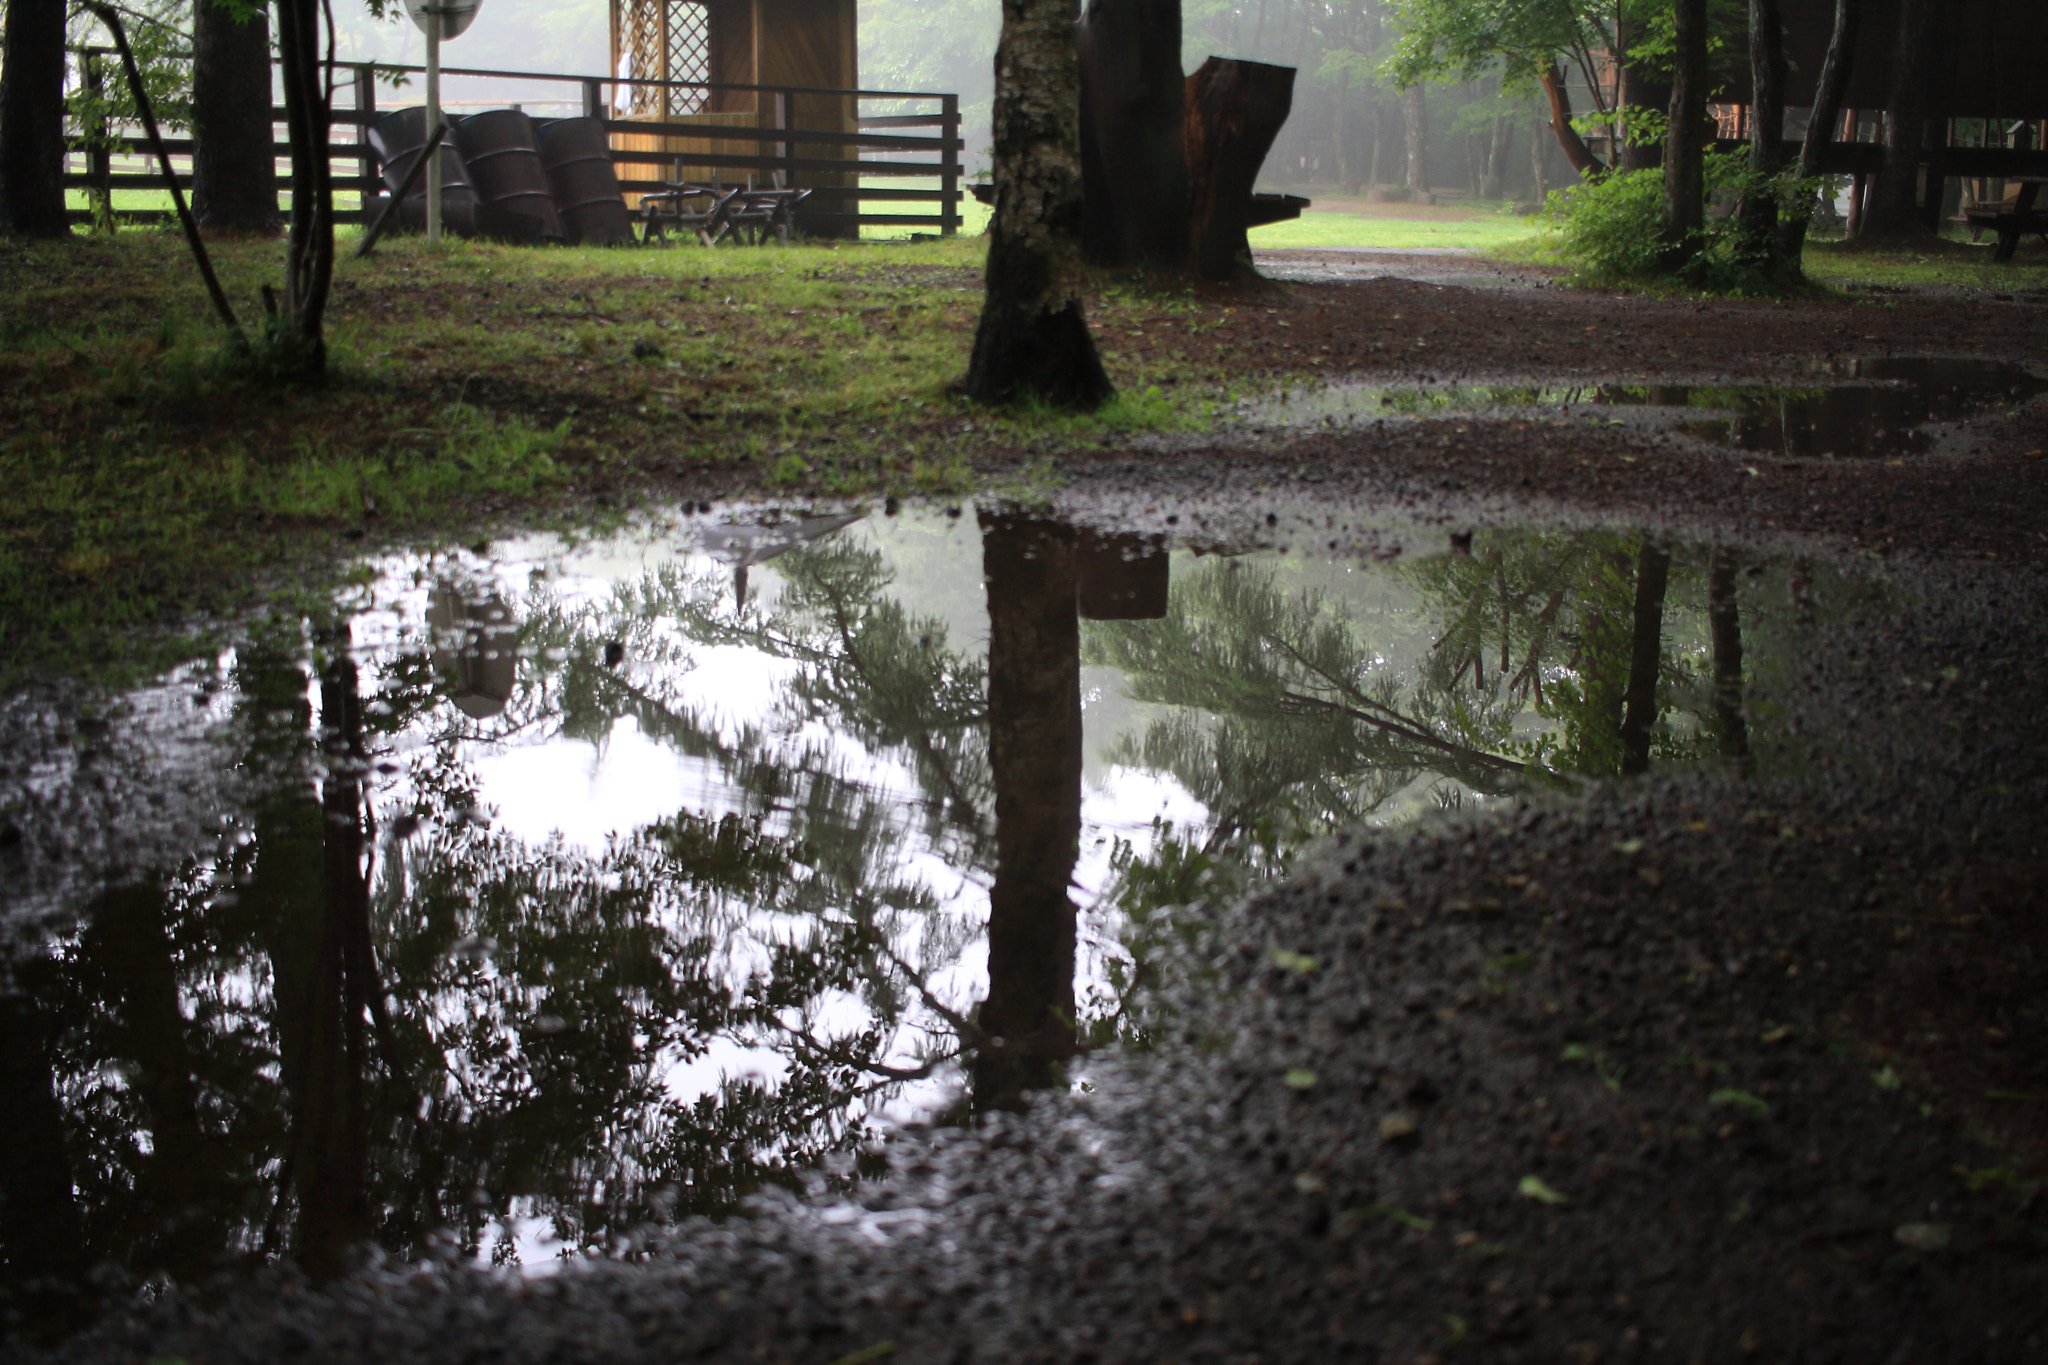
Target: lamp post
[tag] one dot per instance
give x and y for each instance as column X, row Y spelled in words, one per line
column 438, row 19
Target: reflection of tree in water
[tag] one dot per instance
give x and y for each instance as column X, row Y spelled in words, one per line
column 1548, row 654
column 392, row 1019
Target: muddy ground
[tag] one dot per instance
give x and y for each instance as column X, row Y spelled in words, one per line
column 1689, row 1068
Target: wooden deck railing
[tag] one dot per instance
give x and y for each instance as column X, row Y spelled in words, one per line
column 805, row 156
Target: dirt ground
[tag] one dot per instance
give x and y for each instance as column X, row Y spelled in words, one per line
column 1692, row 1069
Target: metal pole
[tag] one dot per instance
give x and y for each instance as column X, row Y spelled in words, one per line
column 433, row 126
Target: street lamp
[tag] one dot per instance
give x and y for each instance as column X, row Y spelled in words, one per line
column 444, row 19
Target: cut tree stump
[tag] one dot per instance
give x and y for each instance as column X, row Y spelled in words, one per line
column 1234, row 111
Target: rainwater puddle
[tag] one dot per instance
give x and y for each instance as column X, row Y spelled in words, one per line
column 1877, row 407
column 522, row 901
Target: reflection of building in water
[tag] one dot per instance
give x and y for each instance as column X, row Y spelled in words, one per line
column 744, row 545
column 475, row 645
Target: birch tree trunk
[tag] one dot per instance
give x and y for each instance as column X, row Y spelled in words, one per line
column 1032, row 339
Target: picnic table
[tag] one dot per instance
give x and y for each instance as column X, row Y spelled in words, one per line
column 715, row 212
column 2014, row 220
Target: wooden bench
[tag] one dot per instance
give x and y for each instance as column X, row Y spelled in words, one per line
column 2011, row 221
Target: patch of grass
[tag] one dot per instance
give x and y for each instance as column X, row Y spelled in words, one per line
column 1948, row 261
column 1354, row 223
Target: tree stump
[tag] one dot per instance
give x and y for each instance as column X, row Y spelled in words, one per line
column 1134, row 168
column 1234, row 111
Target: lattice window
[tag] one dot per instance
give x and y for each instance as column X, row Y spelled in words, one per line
column 667, row 40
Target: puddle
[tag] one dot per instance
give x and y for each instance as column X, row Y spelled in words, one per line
column 1884, row 407
column 527, row 900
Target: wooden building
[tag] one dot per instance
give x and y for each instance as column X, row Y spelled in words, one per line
column 767, row 64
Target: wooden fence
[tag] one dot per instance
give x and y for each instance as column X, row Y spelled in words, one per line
column 876, row 145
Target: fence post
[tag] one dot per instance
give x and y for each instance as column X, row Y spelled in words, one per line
column 783, row 149
column 949, row 174
column 99, row 156
column 368, row 177
column 593, row 99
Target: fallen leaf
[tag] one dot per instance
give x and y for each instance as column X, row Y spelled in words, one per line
column 1293, row 962
column 1742, row 1100
column 1532, row 1187
column 1300, row 1078
column 1398, row 1128
column 1628, row 846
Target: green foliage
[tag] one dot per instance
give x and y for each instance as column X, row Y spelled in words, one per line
column 1610, row 231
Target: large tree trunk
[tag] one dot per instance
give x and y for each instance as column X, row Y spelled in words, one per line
column 1032, row 339
column 1337, row 134
column 234, row 170
column 1418, row 140
column 1893, row 206
column 1758, row 227
column 1820, row 126
column 1646, row 654
column 1034, row 743
column 1575, row 149
column 1685, row 206
column 32, row 121
column 1234, row 111
column 1133, row 163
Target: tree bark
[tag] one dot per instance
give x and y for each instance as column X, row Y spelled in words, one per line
column 234, row 170
column 1414, row 114
column 1575, row 149
column 1034, row 741
column 1646, row 654
column 1724, row 627
column 1493, row 184
column 1639, row 89
column 32, row 121
column 1758, row 227
column 1342, row 143
column 309, row 255
column 1684, row 165
column 1133, row 163
column 1892, row 209
column 1032, row 340
column 1827, row 112
column 1234, row 111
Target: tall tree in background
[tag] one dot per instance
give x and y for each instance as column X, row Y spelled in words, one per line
column 1685, row 203
column 234, row 170
column 1827, row 111
column 1415, row 113
column 1032, row 339
column 32, row 121
column 1758, row 227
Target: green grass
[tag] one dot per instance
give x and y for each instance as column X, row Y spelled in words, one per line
column 1952, row 261
column 1393, row 227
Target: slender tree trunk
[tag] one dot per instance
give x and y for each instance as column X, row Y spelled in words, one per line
column 1032, row 339
column 1379, row 138
column 1893, row 206
column 309, row 256
column 1343, row 143
column 1537, row 180
column 1034, row 707
column 1821, row 126
column 32, row 121
column 234, row 169
column 1640, row 88
column 1493, row 185
column 1575, row 149
column 1646, row 654
column 42, row 1237
column 1418, row 148
column 1724, row 626
column 1758, row 227
column 1685, row 209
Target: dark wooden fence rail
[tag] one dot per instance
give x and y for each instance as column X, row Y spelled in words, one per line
column 800, row 154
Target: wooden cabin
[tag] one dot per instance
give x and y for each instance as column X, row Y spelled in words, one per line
column 801, row 53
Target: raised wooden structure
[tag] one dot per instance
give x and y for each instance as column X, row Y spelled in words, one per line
column 739, row 64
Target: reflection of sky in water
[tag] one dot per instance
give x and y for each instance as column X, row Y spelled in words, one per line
column 580, row 771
